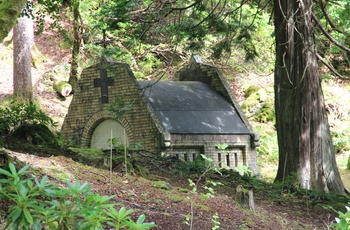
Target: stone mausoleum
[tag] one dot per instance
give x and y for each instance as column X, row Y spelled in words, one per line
column 186, row 117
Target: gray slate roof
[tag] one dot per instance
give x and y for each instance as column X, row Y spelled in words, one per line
column 192, row 107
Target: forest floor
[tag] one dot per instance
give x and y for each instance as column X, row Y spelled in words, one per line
column 275, row 207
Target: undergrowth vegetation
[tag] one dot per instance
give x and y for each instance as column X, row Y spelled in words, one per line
column 26, row 121
column 343, row 220
column 338, row 107
column 38, row 204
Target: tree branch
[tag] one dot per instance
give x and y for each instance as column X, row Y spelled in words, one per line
column 186, row 7
column 171, row 9
column 206, row 18
column 323, row 8
column 318, row 23
column 334, row 71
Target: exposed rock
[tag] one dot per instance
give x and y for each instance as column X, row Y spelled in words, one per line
column 245, row 197
column 161, row 185
column 250, row 90
column 259, row 105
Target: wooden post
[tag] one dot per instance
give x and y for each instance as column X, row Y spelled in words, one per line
column 245, row 197
column 110, row 164
column 125, row 154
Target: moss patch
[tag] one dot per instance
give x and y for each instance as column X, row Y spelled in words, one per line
column 60, row 174
column 95, row 157
column 266, row 113
column 161, row 185
column 202, row 207
column 259, row 104
column 35, row 134
column 250, row 90
column 175, row 197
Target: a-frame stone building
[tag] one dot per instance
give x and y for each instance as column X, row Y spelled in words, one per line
column 184, row 118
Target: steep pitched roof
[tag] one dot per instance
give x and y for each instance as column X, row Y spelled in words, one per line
column 192, row 107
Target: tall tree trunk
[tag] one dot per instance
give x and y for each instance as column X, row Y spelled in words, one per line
column 74, row 73
column 23, row 40
column 304, row 140
column 9, row 11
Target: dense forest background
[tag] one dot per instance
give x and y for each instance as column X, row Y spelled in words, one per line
column 156, row 38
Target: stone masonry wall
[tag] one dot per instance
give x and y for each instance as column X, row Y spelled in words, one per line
column 87, row 111
column 199, row 71
column 239, row 148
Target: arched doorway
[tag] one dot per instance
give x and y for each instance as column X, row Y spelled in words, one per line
column 102, row 134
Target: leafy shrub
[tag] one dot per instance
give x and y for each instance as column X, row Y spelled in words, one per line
column 343, row 220
column 197, row 166
column 26, row 120
column 341, row 140
column 36, row 134
column 268, row 142
column 20, row 114
column 290, row 184
column 40, row 205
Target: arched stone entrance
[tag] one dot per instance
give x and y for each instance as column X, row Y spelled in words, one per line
column 102, row 134
column 105, row 119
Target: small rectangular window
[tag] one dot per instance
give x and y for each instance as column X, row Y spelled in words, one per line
column 219, row 159
column 236, row 160
column 228, row 160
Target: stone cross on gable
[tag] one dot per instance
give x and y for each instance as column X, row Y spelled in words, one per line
column 103, row 82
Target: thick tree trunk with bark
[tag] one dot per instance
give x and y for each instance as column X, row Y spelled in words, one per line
column 23, row 39
column 9, row 12
column 304, row 139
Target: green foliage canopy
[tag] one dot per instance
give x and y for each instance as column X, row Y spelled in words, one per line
column 9, row 12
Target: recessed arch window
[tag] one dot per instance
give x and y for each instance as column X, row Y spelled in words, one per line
column 103, row 132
